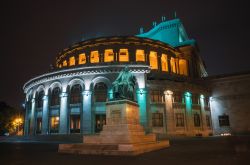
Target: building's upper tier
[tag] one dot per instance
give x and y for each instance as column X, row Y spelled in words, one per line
column 161, row 57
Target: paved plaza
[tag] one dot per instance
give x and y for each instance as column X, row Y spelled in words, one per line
column 212, row 150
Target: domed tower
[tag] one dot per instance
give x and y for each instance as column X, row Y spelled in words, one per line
column 71, row 98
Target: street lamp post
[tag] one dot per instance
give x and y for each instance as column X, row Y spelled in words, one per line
column 17, row 122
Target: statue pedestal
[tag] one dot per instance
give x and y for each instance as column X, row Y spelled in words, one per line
column 122, row 134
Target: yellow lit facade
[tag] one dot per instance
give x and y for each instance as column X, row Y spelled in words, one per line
column 153, row 60
column 164, row 63
column 72, row 61
column 123, row 55
column 109, row 55
column 82, row 59
column 183, row 69
column 173, row 66
column 94, row 57
column 140, row 55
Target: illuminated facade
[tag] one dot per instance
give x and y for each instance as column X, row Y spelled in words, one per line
column 71, row 98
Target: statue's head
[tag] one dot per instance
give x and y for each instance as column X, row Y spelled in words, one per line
column 126, row 69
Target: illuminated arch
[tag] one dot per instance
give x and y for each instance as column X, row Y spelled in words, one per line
column 76, row 81
column 98, row 80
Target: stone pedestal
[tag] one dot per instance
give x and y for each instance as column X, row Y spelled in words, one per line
column 122, row 134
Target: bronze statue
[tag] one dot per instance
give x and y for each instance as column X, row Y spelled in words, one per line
column 124, row 85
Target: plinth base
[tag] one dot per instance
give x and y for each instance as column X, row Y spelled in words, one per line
column 123, row 135
column 112, row 149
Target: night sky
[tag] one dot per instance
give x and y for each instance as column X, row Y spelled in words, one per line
column 32, row 33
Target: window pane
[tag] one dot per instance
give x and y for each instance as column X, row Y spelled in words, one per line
column 72, row 61
column 82, row 59
column 157, row 119
column 183, row 67
column 108, row 55
column 140, row 56
column 179, row 119
column 153, row 60
column 224, row 120
column 172, row 63
column 123, row 55
column 94, row 57
column 196, row 120
column 164, row 63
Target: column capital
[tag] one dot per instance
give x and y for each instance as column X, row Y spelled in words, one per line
column 86, row 92
column 33, row 100
column 64, row 94
column 168, row 92
column 45, row 97
column 141, row 91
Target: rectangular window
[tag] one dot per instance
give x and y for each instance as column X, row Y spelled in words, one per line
column 164, row 63
column 74, row 123
column 54, row 124
column 224, row 120
column 197, row 121
column 208, row 121
column 39, row 125
column 195, row 99
column 82, row 59
column 123, row 55
column 140, row 56
column 72, row 61
column 183, row 67
column 156, row 96
column 108, row 55
column 157, row 119
column 172, row 63
column 153, row 60
column 179, row 119
column 94, row 57
column 177, row 97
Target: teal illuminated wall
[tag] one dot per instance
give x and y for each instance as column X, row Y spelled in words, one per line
column 171, row 32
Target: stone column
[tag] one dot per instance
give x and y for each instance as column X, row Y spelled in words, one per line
column 169, row 112
column 26, row 122
column 159, row 60
column 64, row 115
column 45, row 120
column 33, row 116
column 86, row 118
column 189, row 114
column 203, row 113
column 169, row 64
column 141, row 94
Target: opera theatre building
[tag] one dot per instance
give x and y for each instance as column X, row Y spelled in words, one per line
column 174, row 93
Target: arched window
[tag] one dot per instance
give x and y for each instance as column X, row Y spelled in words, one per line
column 100, row 92
column 94, row 57
column 55, row 99
column 40, row 99
column 164, row 63
column 123, row 55
column 75, row 94
column 153, row 60
column 108, row 55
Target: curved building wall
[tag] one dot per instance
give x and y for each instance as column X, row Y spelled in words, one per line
column 71, row 98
